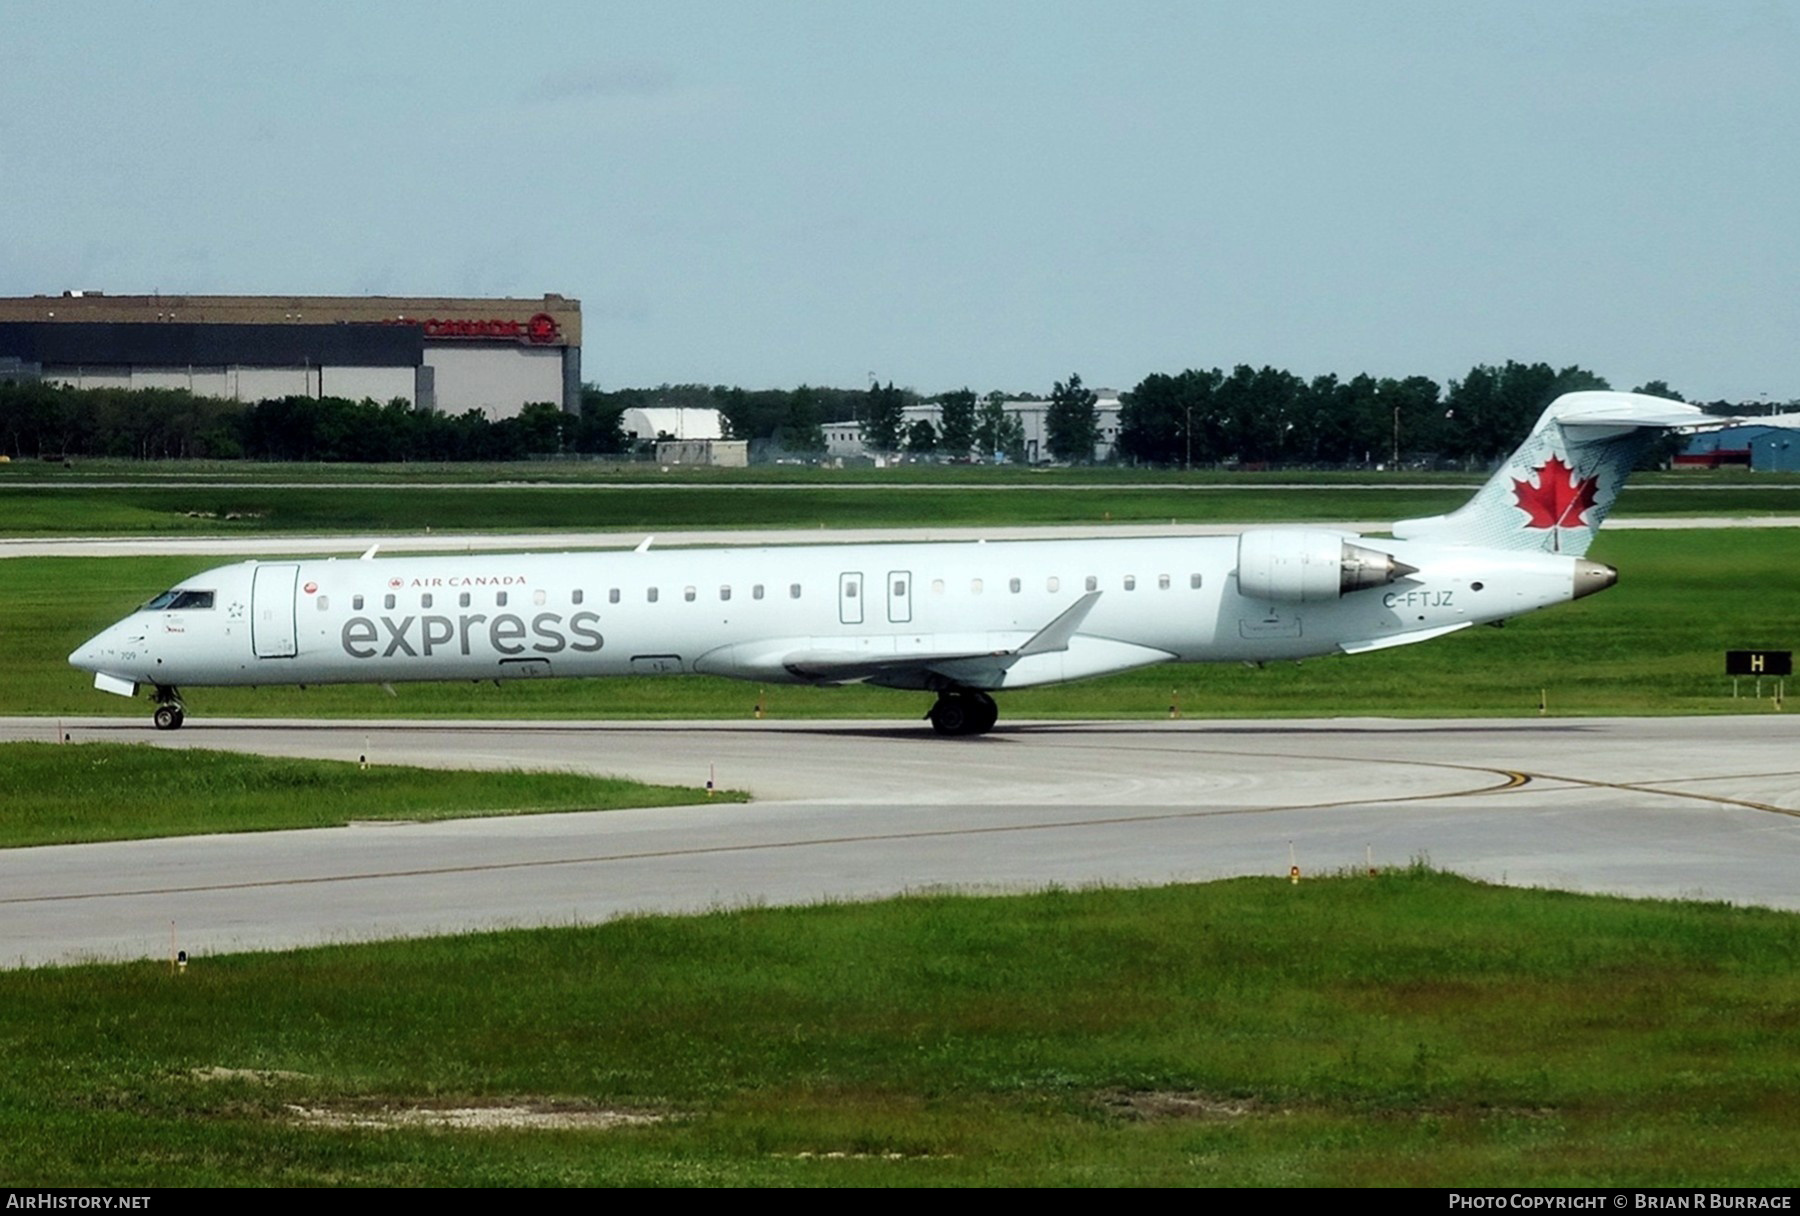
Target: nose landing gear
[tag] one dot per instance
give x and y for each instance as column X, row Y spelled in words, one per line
column 169, row 714
column 963, row 711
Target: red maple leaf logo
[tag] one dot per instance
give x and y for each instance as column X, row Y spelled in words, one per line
column 1559, row 499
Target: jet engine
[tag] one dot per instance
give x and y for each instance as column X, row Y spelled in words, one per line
column 1307, row 566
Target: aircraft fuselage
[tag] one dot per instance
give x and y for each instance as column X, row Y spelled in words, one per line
column 748, row 613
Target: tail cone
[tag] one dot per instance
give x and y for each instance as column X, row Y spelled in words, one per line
column 1593, row 576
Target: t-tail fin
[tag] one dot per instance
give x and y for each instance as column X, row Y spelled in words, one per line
column 1553, row 493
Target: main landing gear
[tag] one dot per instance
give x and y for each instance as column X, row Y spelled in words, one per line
column 169, row 715
column 963, row 711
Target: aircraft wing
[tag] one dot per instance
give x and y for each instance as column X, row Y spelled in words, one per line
column 1058, row 651
column 960, row 665
column 1365, row 645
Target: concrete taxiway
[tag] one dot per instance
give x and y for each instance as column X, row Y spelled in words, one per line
column 1703, row 808
column 277, row 545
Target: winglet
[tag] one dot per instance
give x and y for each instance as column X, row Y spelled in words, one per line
column 1055, row 636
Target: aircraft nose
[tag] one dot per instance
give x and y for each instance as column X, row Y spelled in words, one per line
column 87, row 655
column 94, row 654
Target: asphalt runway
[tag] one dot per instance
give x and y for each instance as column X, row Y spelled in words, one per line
column 1704, row 808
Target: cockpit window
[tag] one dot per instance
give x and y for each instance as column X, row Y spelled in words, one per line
column 180, row 599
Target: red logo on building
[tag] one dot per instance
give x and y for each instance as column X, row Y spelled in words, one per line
column 541, row 329
column 1558, row 500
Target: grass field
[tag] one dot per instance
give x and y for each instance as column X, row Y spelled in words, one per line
column 1653, row 644
column 158, row 510
column 52, row 794
column 1414, row 1029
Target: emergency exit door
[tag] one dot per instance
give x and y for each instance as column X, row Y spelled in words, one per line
column 850, row 598
column 899, row 592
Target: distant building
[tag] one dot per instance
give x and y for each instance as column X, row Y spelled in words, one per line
column 719, row 453
column 1754, row 446
column 844, row 439
column 670, row 422
column 14, row 370
column 1776, row 450
column 1033, row 415
column 447, row 354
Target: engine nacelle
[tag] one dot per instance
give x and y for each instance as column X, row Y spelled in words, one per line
column 1301, row 565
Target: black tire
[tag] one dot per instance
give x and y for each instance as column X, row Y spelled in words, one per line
column 168, row 717
column 950, row 716
column 983, row 713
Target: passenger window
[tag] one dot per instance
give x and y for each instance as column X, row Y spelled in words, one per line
column 975, row 586
column 899, row 586
column 1131, row 582
column 937, row 586
column 1053, row 584
column 687, row 593
column 499, row 599
column 425, row 600
column 650, row 594
column 794, row 591
column 612, row 596
column 1162, row 582
column 724, row 594
column 356, row 602
column 575, row 596
column 387, row 601
column 540, row 597
column 1093, row 584
column 1194, row 581
column 1013, row 586
column 756, row 592
column 462, row 600
column 324, row 603
column 850, row 590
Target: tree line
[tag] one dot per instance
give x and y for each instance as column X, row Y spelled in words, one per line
column 48, row 420
column 1245, row 417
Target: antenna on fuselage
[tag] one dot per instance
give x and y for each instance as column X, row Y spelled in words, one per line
column 369, row 553
column 644, row 545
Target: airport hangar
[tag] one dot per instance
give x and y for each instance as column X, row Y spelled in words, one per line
column 452, row 355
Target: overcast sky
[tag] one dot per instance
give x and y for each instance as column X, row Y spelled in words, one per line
column 977, row 193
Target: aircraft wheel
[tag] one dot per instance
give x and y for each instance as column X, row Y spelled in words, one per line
column 168, row 717
column 950, row 715
column 983, row 712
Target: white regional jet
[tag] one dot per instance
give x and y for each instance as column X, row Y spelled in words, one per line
column 962, row 620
